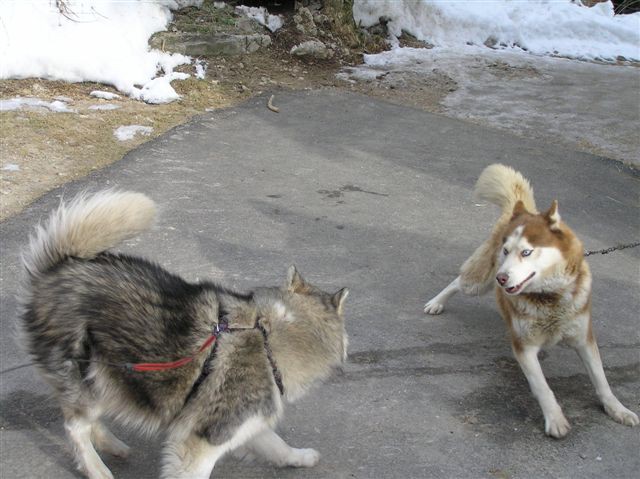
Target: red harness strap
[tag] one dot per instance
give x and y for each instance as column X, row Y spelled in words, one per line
column 142, row 367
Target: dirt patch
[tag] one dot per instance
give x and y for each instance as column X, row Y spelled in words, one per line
column 505, row 70
column 51, row 148
column 419, row 90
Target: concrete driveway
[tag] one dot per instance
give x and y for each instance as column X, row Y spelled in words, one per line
column 376, row 197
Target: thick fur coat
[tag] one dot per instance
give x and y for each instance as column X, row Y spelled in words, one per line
column 88, row 313
column 542, row 285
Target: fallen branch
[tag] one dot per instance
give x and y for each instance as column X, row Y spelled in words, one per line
column 270, row 105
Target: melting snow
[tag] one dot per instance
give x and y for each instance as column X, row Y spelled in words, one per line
column 18, row 103
column 103, row 41
column 105, row 95
column 262, row 16
column 542, row 27
column 124, row 133
column 104, row 106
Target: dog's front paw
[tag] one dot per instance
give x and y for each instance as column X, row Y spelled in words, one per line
column 304, row 457
column 557, row 426
column 433, row 307
column 621, row 414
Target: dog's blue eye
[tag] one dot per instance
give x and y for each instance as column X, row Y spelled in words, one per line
column 526, row 252
column 505, row 251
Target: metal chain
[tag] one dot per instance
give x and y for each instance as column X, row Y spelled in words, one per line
column 613, row 248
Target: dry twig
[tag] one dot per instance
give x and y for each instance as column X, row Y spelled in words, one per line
column 270, row 105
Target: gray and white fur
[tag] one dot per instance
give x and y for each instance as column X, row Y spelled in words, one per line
column 87, row 311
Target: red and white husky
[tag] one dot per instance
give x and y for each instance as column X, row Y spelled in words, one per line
column 543, row 289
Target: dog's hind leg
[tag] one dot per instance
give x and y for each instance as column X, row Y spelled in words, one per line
column 193, row 458
column 478, row 272
column 79, row 410
column 105, row 441
column 79, row 427
column 436, row 304
column 587, row 349
column 274, row 449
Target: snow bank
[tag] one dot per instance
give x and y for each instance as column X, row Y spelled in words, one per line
column 104, row 41
column 542, row 27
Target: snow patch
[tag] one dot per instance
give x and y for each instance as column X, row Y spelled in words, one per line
column 105, row 95
column 124, row 133
column 104, row 106
column 201, row 69
column 159, row 90
column 18, row 103
column 541, row 27
column 262, row 16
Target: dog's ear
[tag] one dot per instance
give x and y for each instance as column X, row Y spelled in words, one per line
column 553, row 217
column 338, row 299
column 518, row 209
column 295, row 281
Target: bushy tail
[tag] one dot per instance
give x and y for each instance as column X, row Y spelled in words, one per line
column 87, row 226
column 503, row 186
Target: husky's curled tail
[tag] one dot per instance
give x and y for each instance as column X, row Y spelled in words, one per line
column 503, row 186
column 87, row 226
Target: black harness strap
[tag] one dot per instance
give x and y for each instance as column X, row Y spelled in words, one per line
column 277, row 376
column 223, row 327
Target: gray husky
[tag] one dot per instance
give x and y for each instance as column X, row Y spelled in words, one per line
column 117, row 335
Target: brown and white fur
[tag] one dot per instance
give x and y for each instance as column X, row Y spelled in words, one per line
column 543, row 289
column 87, row 311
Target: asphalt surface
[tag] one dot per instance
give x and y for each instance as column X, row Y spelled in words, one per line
column 377, row 197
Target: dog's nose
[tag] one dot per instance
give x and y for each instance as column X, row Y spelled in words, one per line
column 502, row 278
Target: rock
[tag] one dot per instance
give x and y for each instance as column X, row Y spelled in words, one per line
column 208, row 44
column 245, row 24
column 312, row 49
column 321, row 19
column 380, row 28
column 304, row 22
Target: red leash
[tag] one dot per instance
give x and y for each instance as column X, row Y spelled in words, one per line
column 143, row 367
